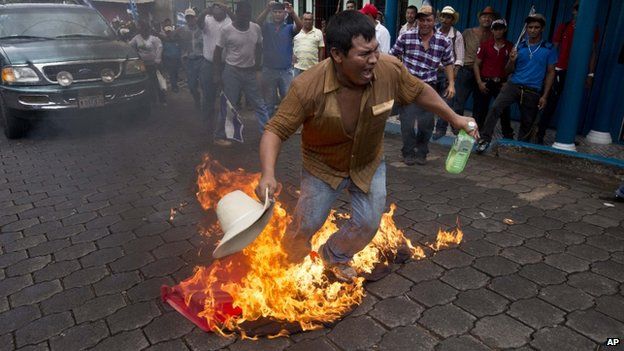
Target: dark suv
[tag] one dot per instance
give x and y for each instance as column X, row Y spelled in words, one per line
column 63, row 58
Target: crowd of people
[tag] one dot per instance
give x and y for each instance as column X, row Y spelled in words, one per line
column 221, row 51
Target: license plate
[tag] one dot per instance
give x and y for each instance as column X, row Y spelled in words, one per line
column 91, row 101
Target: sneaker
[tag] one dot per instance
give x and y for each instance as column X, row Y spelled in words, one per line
column 438, row 134
column 409, row 160
column 222, row 142
column 421, row 160
column 482, row 146
column 342, row 271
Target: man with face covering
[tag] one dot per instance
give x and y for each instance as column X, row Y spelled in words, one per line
column 343, row 104
column 237, row 57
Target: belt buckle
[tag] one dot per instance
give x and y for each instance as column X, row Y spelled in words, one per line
column 496, row 80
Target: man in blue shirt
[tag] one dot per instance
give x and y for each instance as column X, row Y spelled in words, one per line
column 532, row 65
column 277, row 55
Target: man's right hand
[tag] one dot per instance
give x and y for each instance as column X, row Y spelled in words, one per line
column 482, row 87
column 513, row 55
column 267, row 182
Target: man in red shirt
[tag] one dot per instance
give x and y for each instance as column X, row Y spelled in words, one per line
column 490, row 74
column 562, row 40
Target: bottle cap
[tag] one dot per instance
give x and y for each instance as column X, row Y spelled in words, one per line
column 472, row 126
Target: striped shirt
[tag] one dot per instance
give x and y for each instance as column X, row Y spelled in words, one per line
column 329, row 153
column 420, row 62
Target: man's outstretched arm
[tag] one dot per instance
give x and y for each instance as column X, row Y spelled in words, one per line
column 270, row 146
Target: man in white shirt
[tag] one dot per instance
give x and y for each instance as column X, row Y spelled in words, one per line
column 410, row 18
column 381, row 33
column 211, row 22
column 237, row 54
column 448, row 18
column 308, row 45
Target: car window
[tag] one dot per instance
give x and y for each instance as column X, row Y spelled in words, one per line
column 53, row 23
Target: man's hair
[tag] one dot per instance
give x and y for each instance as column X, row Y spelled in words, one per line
column 243, row 5
column 411, row 7
column 351, row 2
column 278, row 6
column 344, row 27
column 306, row 13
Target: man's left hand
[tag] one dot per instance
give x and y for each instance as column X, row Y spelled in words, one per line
column 288, row 7
column 542, row 102
column 463, row 122
column 450, row 92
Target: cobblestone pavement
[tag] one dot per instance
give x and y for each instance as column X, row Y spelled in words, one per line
column 86, row 244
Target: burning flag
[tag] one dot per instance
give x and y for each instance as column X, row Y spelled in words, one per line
column 258, row 291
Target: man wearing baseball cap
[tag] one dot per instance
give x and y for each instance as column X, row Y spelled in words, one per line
column 490, row 74
column 473, row 37
column 381, row 33
column 533, row 71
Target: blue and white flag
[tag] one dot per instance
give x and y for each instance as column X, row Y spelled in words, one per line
column 133, row 10
column 180, row 19
column 233, row 124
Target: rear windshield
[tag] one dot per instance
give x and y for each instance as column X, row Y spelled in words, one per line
column 52, row 23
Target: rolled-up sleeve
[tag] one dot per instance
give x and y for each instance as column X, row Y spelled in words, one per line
column 289, row 116
column 409, row 86
column 459, row 49
column 397, row 49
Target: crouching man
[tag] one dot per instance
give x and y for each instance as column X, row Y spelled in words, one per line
column 343, row 104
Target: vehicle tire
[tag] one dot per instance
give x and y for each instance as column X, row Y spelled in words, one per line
column 14, row 127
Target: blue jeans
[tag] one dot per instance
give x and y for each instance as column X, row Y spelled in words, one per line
column 194, row 77
column 297, row 71
column 440, row 87
column 209, row 93
column 314, row 206
column 274, row 80
column 237, row 79
column 465, row 84
column 409, row 114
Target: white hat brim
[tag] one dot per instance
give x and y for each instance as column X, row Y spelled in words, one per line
column 245, row 231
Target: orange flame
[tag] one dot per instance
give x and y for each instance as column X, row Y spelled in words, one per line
column 271, row 287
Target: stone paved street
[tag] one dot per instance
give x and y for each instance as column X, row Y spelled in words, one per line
column 86, row 243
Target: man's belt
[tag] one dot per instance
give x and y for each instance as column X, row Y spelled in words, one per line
column 492, row 79
column 528, row 89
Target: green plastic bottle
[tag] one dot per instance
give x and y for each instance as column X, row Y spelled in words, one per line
column 458, row 156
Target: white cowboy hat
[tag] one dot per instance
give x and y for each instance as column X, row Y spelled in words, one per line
column 242, row 220
column 451, row 11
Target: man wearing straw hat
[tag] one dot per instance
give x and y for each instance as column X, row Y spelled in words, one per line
column 343, row 104
column 448, row 18
column 533, row 71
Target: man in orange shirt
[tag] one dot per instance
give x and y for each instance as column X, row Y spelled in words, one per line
column 343, row 104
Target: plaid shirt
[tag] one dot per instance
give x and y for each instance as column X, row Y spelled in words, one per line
column 423, row 64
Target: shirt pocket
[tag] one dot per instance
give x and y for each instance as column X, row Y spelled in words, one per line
column 382, row 109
